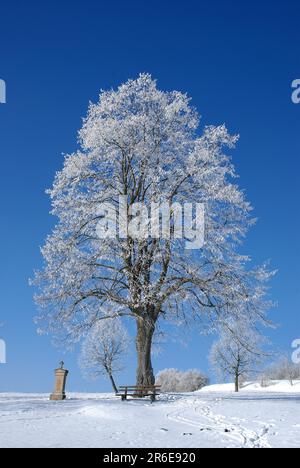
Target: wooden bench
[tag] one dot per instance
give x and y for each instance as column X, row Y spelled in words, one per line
column 135, row 391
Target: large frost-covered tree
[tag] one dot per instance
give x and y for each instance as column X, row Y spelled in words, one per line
column 144, row 144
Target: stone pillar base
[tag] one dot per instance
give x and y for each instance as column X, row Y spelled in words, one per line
column 57, row 396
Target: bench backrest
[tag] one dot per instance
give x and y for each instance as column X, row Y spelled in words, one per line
column 140, row 387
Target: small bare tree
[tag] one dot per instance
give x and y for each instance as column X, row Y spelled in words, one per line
column 103, row 350
column 284, row 369
column 237, row 352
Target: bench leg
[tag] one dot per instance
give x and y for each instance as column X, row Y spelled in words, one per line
column 123, row 397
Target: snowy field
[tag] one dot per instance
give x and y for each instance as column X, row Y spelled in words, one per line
column 212, row 417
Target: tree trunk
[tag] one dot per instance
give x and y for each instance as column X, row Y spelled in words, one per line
column 145, row 331
column 237, row 386
column 113, row 383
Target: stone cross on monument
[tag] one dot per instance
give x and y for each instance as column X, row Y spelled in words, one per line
column 60, row 383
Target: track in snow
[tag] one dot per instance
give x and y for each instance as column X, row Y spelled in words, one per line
column 218, row 424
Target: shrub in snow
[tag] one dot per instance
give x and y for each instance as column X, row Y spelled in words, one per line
column 174, row 380
column 265, row 380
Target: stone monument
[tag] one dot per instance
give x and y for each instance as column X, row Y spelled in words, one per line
column 60, row 383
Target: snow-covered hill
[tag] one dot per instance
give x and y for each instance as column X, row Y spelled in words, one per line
column 213, row 417
column 271, row 387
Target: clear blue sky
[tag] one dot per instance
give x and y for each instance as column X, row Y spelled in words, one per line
column 236, row 59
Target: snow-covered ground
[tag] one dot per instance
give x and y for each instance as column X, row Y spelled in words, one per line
column 212, row 417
